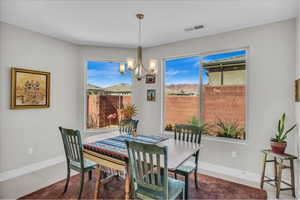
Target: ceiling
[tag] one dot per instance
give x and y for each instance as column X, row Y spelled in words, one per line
column 113, row 23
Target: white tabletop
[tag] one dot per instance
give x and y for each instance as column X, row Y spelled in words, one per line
column 179, row 151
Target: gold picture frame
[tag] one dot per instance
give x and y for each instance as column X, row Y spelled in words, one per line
column 29, row 89
column 297, row 90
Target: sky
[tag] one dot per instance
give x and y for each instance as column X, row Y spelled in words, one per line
column 187, row 70
column 178, row 71
column 105, row 74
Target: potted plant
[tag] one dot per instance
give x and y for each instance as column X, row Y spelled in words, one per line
column 129, row 112
column 169, row 127
column 278, row 144
column 229, row 129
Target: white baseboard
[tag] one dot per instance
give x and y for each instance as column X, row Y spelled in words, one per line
column 236, row 173
column 203, row 165
column 30, row 168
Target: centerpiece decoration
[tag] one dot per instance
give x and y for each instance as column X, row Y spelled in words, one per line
column 278, row 143
column 129, row 112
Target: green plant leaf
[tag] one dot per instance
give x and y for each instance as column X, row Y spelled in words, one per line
column 278, row 127
column 282, row 136
column 285, row 134
column 282, row 123
column 290, row 129
column 283, row 118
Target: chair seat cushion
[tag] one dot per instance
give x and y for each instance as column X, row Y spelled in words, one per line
column 87, row 164
column 187, row 167
column 175, row 187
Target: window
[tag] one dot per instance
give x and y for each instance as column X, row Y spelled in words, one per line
column 207, row 91
column 182, row 91
column 107, row 93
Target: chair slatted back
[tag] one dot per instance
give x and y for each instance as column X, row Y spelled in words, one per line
column 145, row 165
column 188, row 133
column 128, row 126
column 72, row 145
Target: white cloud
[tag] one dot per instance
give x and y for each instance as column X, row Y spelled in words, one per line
column 174, row 72
column 94, row 72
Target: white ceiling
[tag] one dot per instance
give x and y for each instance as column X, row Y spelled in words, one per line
column 113, row 23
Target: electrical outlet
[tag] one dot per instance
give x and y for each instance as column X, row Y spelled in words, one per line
column 30, row 151
column 234, row 154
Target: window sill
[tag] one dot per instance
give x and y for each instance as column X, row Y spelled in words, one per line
column 100, row 135
column 101, row 131
column 212, row 138
column 223, row 139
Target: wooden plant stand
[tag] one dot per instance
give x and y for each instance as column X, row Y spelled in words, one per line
column 278, row 167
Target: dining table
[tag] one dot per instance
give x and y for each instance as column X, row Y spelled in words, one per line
column 112, row 153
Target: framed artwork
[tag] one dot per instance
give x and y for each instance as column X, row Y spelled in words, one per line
column 29, row 89
column 297, row 90
column 150, row 78
column 151, row 95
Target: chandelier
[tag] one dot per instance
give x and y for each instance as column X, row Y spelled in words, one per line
column 137, row 65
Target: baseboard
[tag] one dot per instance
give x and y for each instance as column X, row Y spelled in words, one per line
column 30, row 168
column 249, row 176
column 236, row 173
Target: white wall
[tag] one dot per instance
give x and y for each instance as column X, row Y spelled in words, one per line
column 36, row 128
column 270, row 89
column 297, row 104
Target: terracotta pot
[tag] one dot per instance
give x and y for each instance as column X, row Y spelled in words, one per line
column 278, row 147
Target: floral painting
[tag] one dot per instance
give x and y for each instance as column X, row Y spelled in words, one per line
column 30, row 89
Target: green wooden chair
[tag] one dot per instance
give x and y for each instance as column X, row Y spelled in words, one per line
column 128, row 126
column 148, row 179
column 74, row 156
column 188, row 133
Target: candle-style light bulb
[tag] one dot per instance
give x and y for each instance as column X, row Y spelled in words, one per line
column 130, row 64
column 122, row 68
column 152, row 66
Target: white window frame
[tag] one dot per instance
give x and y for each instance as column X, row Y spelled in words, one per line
column 201, row 55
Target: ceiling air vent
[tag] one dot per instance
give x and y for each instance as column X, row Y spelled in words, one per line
column 197, row 27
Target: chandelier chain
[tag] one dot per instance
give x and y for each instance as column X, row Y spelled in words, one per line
column 140, row 32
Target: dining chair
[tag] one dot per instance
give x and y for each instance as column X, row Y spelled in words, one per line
column 128, row 126
column 74, row 156
column 148, row 179
column 188, row 133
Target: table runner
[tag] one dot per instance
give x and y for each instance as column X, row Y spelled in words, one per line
column 116, row 146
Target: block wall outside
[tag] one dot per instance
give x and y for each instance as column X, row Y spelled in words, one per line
column 99, row 107
column 220, row 102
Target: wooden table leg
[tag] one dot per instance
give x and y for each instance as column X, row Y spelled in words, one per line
column 292, row 177
column 275, row 172
column 98, row 183
column 279, row 172
column 127, row 184
column 263, row 171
